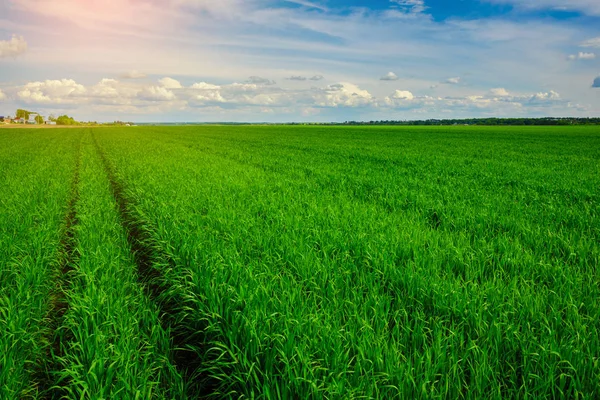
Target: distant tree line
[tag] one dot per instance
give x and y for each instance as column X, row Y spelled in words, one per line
column 486, row 121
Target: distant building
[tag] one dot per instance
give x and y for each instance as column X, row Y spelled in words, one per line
column 50, row 122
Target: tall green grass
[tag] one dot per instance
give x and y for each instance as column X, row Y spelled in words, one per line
column 378, row 263
column 36, row 172
column 300, row 262
column 113, row 343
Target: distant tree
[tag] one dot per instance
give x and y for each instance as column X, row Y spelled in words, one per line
column 39, row 119
column 51, row 117
column 22, row 114
column 65, row 120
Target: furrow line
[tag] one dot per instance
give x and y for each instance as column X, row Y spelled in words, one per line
column 58, row 307
column 151, row 260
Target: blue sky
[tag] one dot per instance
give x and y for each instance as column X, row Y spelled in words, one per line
column 299, row 60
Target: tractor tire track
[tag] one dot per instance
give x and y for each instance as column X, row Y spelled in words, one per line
column 148, row 254
column 48, row 385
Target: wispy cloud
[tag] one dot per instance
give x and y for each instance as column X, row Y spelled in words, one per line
column 257, row 80
column 308, row 4
column 410, row 6
column 133, row 74
column 582, row 56
column 590, row 7
column 452, row 81
column 593, row 42
column 280, row 41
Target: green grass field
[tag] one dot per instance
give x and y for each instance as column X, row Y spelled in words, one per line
column 285, row 262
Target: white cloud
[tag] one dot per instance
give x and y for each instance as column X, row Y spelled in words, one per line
column 157, row 93
column 452, row 81
column 133, row 74
column 401, row 99
column 586, row 56
column 296, row 78
column 499, row 92
column 390, row 76
column 343, row 95
column 13, row 47
column 317, row 78
column 497, row 101
column 548, row 96
column 170, row 83
column 582, row 56
column 62, row 91
column 203, row 93
column 114, row 96
column 594, row 42
column 205, row 86
column 105, row 88
column 2, row 95
column 403, row 95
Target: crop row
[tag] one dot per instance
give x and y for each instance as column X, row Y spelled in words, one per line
column 272, row 262
column 375, row 263
column 36, row 172
column 75, row 316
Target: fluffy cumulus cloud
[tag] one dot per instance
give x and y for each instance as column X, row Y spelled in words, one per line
column 170, row 83
column 203, row 93
column 227, row 99
column 497, row 101
column 13, row 47
column 403, row 95
column 501, row 92
column 400, row 99
column 157, row 93
column 582, row 56
column 2, row 95
column 390, row 76
column 596, row 83
column 205, row 86
column 64, row 91
column 544, row 97
column 343, row 95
